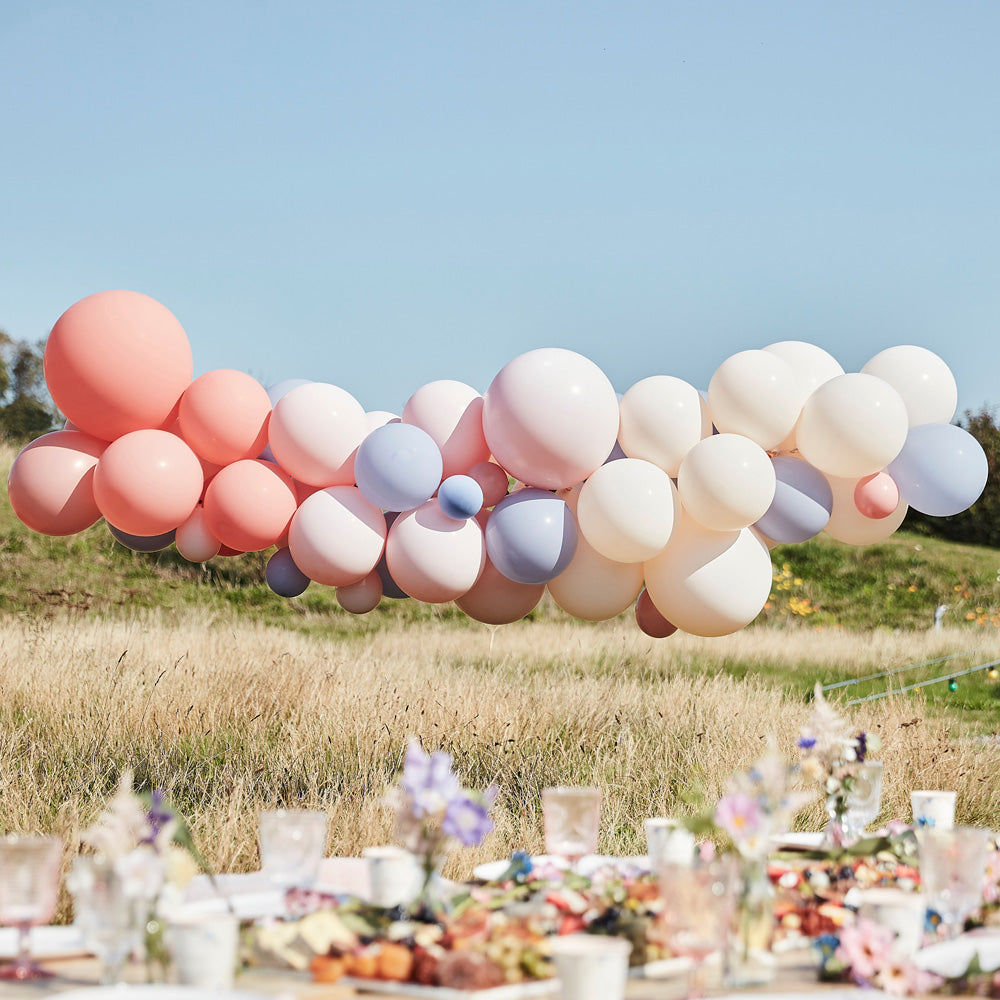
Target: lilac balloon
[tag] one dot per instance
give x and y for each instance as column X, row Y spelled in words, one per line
column 941, row 469
column 143, row 543
column 531, row 536
column 460, row 497
column 398, row 467
column 802, row 502
column 283, row 576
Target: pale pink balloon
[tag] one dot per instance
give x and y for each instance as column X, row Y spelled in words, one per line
column 650, row 621
column 223, row 416
column 249, row 504
column 452, row 414
column 492, row 480
column 495, row 600
column 876, row 496
column 550, row 417
column 433, row 558
column 51, row 483
column 193, row 539
column 117, row 362
column 314, row 431
column 361, row 597
column 147, row 482
column 337, row 536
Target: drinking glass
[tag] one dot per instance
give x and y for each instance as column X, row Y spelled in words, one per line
column 292, row 844
column 29, row 888
column 572, row 818
column 952, row 865
column 933, row 807
column 864, row 800
column 103, row 912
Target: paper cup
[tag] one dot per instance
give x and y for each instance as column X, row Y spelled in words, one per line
column 204, row 950
column 933, row 808
column 394, row 875
column 901, row 911
column 591, row 967
column 668, row 842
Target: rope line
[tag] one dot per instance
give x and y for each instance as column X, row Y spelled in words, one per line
column 899, row 670
column 920, row 684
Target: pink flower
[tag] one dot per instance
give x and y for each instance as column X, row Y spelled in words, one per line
column 901, row 979
column 865, row 947
column 739, row 815
column 991, row 878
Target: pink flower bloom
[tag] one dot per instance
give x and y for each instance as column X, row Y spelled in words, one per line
column 865, row 947
column 991, row 878
column 739, row 815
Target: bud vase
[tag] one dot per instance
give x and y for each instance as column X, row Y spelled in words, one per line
column 748, row 959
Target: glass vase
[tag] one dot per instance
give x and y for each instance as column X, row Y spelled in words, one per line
column 835, row 834
column 748, row 959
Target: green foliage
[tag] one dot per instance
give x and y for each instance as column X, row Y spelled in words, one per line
column 25, row 408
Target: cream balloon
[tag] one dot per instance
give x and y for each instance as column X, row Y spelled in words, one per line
column 595, row 588
column 925, row 383
column 812, row 366
column 710, row 583
column 662, row 419
column 726, row 482
column 361, row 597
column 852, row 425
column 627, row 509
column 756, row 394
column 452, row 414
column 848, row 524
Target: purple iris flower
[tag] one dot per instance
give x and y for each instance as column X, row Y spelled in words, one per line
column 862, row 746
column 157, row 816
column 807, row 743
column 428, row 780
column 467, row 820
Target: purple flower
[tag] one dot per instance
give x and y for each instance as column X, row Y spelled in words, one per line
column 807, row 743
column 862, row 750
column 428, row 780
column 467, row 819
column 157, row 817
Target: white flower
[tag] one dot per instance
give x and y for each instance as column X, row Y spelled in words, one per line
column 142, row 872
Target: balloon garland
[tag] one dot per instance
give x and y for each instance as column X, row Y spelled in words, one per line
column 665, row 499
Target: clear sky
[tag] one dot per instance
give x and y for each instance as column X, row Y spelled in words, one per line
column 382, row 194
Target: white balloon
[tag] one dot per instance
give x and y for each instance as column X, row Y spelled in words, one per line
column 726, row 482
column 848, row 524
column 852, row 425
column 922, row 379
column 626, row 510
column 756, row 394
column 812, row 366
column 662, row 419
column 452, row 414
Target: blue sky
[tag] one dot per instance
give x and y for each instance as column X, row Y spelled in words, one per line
column 382, row 194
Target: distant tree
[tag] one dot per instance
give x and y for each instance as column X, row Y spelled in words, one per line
column 980, row 524
column 26, row 410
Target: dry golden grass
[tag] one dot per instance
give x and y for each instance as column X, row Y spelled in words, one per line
column 231, row 717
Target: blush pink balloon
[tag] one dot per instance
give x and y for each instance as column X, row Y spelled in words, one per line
column 650, row 621
column 495, row 600
column 117, row 362
column 452, row 414
column 147, row 482
column 876, row 496
column 249, row 504
column 223, row 416
column 361, row 597
column 492, row 480
column 51, row 483
column 194, row 541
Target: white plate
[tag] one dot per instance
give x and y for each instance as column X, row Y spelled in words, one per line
column 660, row 969
column 797, row 841
column 512, row 991
column 46, row 942
column 123, row 992
column 587, row 865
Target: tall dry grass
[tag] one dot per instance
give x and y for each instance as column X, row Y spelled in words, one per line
column 231, row 718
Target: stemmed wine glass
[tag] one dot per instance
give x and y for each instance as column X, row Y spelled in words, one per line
column 29, row 889
column 863, row 800
column 103, row 912
column 571, row 816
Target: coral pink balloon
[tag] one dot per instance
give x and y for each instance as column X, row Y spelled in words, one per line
column 433, row 558
column 495, row 600
column 361, row 597
column 223, row 416
column 117, row 362
column 51, row 483
column 550, row 417
column 194, row 540
column 452, row 414
column 147, row 482
column 650, row 620
column 493, row 481
column 876, row 496
column 249, row 503
column 337, row 536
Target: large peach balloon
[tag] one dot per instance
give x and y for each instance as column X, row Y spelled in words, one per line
column 51, row 483
column 249, row 504
column 848, row 524
column 550, row 417
column 710, row 583
column 433, row 558
column 495, row 600
column 314, row 431
column 147, row 482
column 452, row 414
column 337, row 536
column 921, row 378
column 194, row 540
column 116, row 362
column 593, row 587
column 223, row 416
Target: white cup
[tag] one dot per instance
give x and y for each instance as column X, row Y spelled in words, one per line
column 899, row 910
column 395, row 876
column 933, row 808
column 668, row 842
column 204, row 950
column 590, row 966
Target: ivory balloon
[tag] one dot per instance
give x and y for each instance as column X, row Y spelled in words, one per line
column 249, row 504
column 811, row 364
column 710, row 583
column 921, row 378
column 662, row 419
column 756, row 394
column 194, row 540
column 848, row 524
column 852, row 425
column 726, row 482
column 361, row 597
column 626, row 511
column 223, row 416
column 593, row 587
column 452, row 414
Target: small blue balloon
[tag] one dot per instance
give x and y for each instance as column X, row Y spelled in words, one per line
column 531, row 536
column 941, row 469
column 143, row 543
column 283, row 576
column 802, row 502
column 398, row 467
column 460, row 497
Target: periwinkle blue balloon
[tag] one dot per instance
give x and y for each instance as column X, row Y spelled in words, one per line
column 283, row 576
column 398, row 467
column 941, row 469
column 460, row 497
column 143, row 543
column 802, row 502
column 531, row 536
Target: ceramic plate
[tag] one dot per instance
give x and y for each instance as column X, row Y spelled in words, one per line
column 587, row 866
column 123, row 992
column 46, row 942
column 512, row 991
